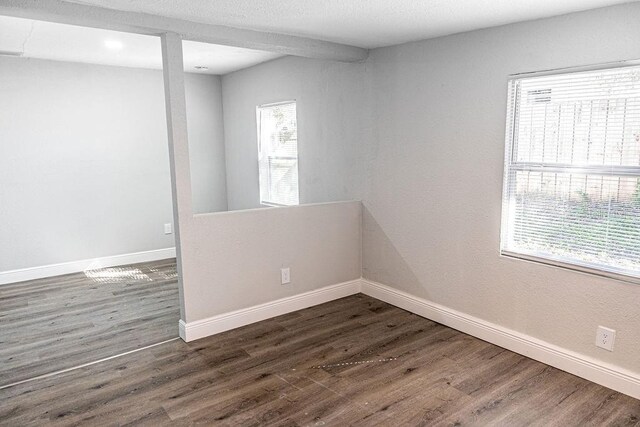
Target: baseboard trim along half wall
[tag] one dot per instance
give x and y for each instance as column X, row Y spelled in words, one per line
column 52, row 270
column 610, row 376
column 224, row 322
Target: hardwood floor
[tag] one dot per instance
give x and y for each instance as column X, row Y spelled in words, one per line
column 56, row 323
column 354, row 361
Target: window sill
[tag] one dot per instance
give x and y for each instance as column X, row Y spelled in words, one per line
column 573, row 267
column 272, row 205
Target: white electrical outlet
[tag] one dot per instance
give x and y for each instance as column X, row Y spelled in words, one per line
column 167, row 228
column 605, row 338
column 285, row 275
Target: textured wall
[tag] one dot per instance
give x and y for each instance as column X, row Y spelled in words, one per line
column 232, row 260
column 206, row 142
column 432, row 209
column 332, row 126
column 84, row 169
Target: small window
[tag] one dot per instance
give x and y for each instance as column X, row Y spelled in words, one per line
column 278, row 154
column 572, row 171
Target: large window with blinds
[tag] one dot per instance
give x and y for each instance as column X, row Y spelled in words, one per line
column 572, row 172
column 278, row 154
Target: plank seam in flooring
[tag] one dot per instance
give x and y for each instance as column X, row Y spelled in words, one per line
column 84, row 365
column 611, row 376
column 261, row 375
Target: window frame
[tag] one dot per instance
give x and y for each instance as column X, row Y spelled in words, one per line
column 511, row 164
column 266, row 203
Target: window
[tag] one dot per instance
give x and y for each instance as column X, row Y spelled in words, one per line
column 278, row 154
column 572, row 172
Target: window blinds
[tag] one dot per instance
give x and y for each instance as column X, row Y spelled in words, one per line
column 278, row 154
column 572, row 173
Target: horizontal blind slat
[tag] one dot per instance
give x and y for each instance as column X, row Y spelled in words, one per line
column 572, row 178
column 278, row 154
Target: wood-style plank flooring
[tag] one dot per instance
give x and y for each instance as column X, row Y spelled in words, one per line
column 354, row 361
column 56, row 323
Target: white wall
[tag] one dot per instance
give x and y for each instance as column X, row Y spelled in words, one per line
column 206, row 142
column 432, row 209
column 332, row 126
column 232, row 260
column 84, row 168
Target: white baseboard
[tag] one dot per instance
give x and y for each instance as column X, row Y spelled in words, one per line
column 610, row 376
column 213, row 325
column 52, row 270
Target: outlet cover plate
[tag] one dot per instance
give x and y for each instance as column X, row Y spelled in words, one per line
column 285, row 274
column 605, row 338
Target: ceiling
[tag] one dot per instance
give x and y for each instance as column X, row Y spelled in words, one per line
column 362, row 23
column 46, row 40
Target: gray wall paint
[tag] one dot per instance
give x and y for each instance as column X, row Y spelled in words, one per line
column 232, row 260
column 429, row 144
column 429, row 148
column 432, row 210
column 84, row 168
column 332, row 127
column 206, row 142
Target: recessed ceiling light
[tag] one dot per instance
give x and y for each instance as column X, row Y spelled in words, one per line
column 113, row 44
column 201, row 67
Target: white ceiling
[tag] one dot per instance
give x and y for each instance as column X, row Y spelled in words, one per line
column 363, row 23
column 46, row 40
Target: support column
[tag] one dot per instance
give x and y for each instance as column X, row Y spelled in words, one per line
column 174, row 94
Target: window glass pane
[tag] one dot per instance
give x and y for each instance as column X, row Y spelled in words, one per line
column 572, row 182
column 583, row 118
column 591, row 219
column 278, row 154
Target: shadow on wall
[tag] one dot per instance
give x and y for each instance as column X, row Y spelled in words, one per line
column 382, row 262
